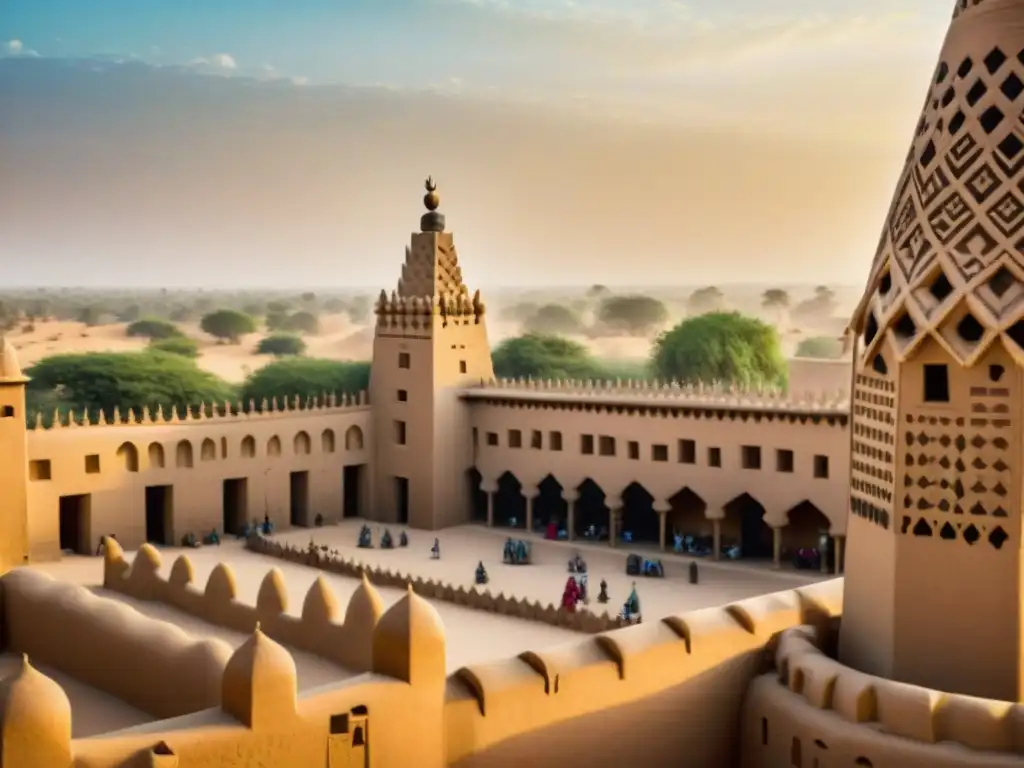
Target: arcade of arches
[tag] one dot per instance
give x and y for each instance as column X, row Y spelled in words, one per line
column 588, row 512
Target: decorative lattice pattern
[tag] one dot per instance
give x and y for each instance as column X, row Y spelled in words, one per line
column 874, row 439
column 950, row 263
column 430, row 273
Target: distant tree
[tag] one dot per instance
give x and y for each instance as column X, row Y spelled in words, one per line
column 278, row 306
column 151, row 328
column 301, row 322
column 635, row 315
column 709, row 299
column 255, row 309
column 820, row 307
column 227, row 324
column 775, row 298
column 726, row 347
column 101, row 381
column 306, row 377
column 542, row 356
column 822, row 347
column 308, row 298
column 597, row 291
column 129, row 314
column 178, row 345
column 553, row 318
column 90, row 315
column 275, row 320
column 281, row 345
column 335, row 305
column 360, row 308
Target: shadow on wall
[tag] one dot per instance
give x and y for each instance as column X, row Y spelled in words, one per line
column 326, row 560
column 319, row 629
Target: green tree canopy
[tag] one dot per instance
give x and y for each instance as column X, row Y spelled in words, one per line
column 152, row 328
column 281, row 345
column 541, row 356
column 553, row 318
column 823, row 347
column 177, row 345
column 721, row 346
column 301, row 322
column 102, row 380
column 306, row 377
column 228, row 324
column 635, row 315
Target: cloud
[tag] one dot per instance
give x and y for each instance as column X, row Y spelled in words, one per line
column 17, row 48
column 218, row 61
column 225, row 60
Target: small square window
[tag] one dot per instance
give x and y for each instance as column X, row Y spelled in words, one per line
column 92, row 464
column 515, row 438
column 659, row 452
column 7, row 412
column 587, row 445
column 492, row 438
column 400, row 432
column 537, row 439
column 403, row 395
column 687, row 452
column 404, row 360
column 633, row 450
column 606, row 445
column 462, row 366
column 555, row 441
column 821, row 467
column 751, row 456
column 783, row 460
column 936, row 384
column 39, row 469
column 714, row 457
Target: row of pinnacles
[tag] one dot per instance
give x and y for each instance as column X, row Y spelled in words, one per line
column 397, row 310
column 273, row 408
column 481, row 600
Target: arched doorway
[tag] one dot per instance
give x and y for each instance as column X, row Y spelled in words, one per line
column 549, row 506
column 509, row 502
column 477, row 496
column 744, row 525
column 591, row 511
column 638, row 515
column 805, row 529
column 687, row 516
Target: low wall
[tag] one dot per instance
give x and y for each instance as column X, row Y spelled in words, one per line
column 815, row 704
column 671, row 689
column 149, row 664
column 319, row 630
column 480, row 600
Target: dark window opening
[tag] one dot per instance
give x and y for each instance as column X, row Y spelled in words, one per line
column 821, row 467
column 357, row 737
column 606, row 445
column 633, row 450
column 339, row 724
column 750, row 456
column 885, row 284
column 1002, row 281
column 8, row 412
column 403, row 396
column 687, row 452
column 870, row 329
column 587, row 445
column 1016, row 333
column 783, row 460
column 515, row 438
column 714, row 457
column 403, row 360
column 764, row 731
column 492, row 438
column 462, row 366
column 905, row 327
column 940, row 287
column 995, row 372
column 555, row 441
column 936, row 384
column 537, row 439
column 659, row 453
column 969, row 329
column 879, row 366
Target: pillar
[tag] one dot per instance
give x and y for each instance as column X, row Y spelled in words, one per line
column 826, row 542
column 840, row 542
column 614, row 505
column 716, row 529
column 777, row 547
column 662, row 508
column 570, row 511
column 490, row 487
column 530, row 492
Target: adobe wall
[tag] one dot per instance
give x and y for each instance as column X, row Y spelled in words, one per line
column 670, row 690
column 652, row 415
column 810, row 376
column 480, row 600
column 812, row 708
column 193, row 454
column 149, row 664
column 321, row 629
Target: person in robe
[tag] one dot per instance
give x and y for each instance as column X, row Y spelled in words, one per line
column 481, row 573
column 435, row 551
column 602, row 595
column 571, row 595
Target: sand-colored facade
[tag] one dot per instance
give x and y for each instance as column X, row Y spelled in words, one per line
column 885, row 668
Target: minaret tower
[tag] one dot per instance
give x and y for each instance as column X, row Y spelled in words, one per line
column 13, row 461
column 934, row 577
column 430, row 342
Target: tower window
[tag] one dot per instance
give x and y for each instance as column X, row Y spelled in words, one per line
column 8, row 412
column 403, row 360
column 784, row 460
column 821, row 467
column 400, row 432
column 687, row 452
column 492, row 438
column 606, row 445
column 750, row 456
column 659, row 452
column 633, row 450
column 587, row 445
column 714, row 457
column 403, row 396
column 515, row 438
column 462, row 366
column 555, row 441
column 537, row 439
column 936, row 384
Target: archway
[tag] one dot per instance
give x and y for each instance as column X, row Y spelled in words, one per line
column 302, row 445
column 156, row 456
column 805, row 529
column 327, row 441
column 509, row 502
column 208, row 450
column 129, row 456
column 549, row 506
column 687, row 516
column 353, row 438
column 638, row 515
column 477, row 496
column 274, row 446
column 744, row 525
column 248, row 446
column 591, row 511
column 183, row 454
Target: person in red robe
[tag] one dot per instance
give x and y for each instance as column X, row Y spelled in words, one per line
column 571, row 595
column 552, row 531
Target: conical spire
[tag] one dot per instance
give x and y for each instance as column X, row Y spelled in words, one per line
column 950, row 263
column 10, row 369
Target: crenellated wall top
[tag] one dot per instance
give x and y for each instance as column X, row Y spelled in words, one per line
column 636, row 392
column 204, row 412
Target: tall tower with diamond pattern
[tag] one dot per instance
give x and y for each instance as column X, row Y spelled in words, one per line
column 934, row 546
column 430, row 342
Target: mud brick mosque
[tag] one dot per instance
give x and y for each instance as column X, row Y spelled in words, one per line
column 913, row 659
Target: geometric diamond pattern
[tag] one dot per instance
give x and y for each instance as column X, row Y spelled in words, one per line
column 956, row 220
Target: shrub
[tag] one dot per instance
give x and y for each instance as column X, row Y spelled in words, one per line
column 179, row 345
column 306, row 377
column 227, row 324
column 152, row 328
column 281, row 345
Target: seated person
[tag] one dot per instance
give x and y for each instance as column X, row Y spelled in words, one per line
column 365, row 540
column 268, row 527
column 627, row 536
column 481, row 573
column 403, row 540
column 385, row 540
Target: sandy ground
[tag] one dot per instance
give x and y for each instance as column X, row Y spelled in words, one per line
column 92, row 711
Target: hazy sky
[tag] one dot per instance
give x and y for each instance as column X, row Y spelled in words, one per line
column 271, row 142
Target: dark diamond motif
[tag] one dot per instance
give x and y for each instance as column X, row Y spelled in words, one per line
column 924, row 504
column 944, row 505
column 977, row 509
column 944, row 462
column 944, row 441
column 923, row 439
column 910, row 459
column 1001, row 281
column 971, row 535
column 908, row 502
column 958, row 510
column 1000, row 512
column 910, row 438
column 978, row 487
column 1012, row 87
column 991, row 118
column 983, row 183
column 978, row 463
column 998, row 537
column 923, row 482
column 956, row 122
column 1000, row 466
column 1001, row 443
column 1000, row 490
column 947, row 97
column 960, row 466
column 922, row 459
column 922, row 528
column 1011, row 146
column 961, row 443
column 958, row 489
column 978, row 90
column 928, row 154
column 978, row 441
column 995, row 59
column 941, row 73
column 947, row 532
column 965, row 67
